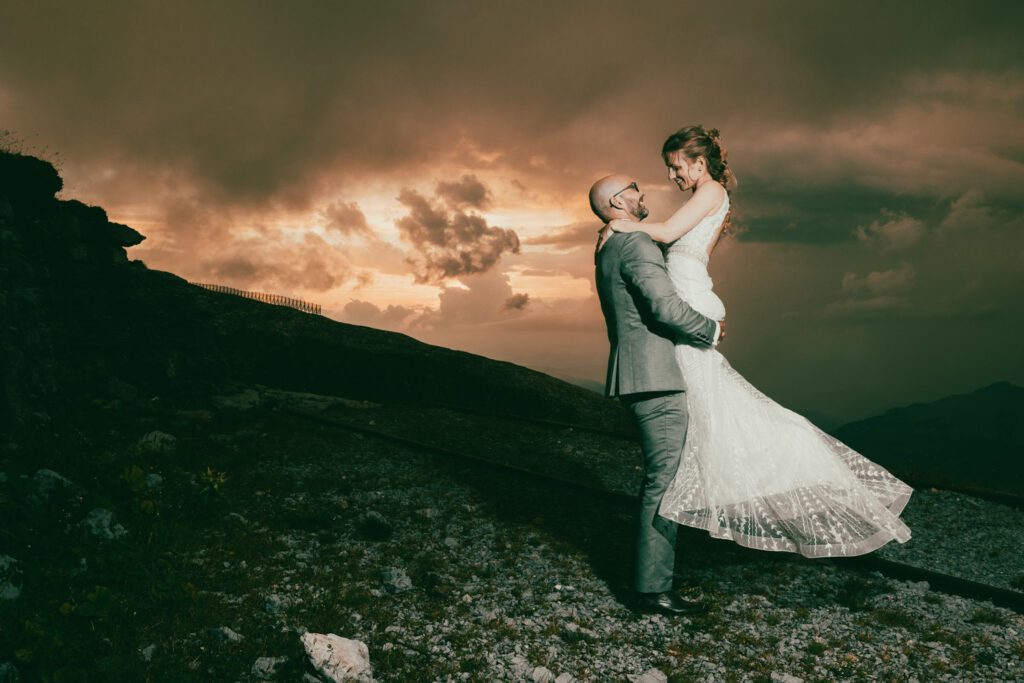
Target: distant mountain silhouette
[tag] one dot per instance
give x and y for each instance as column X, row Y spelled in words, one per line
column 79, row 317
column 969, row 441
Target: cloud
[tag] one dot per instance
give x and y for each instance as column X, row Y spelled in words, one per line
column 895, row 230
column 364, row 278
column 875, row 307
column 365, row 313
column 476, row 298
column 255, row 263
column 974, row 212
column 541, row 272
column 345, row 217
column 880, row 282
column 517, row 302
column 450, row 243
column 569, row 235
column 468, row 192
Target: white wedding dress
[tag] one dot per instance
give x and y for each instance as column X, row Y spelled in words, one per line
column 755, row 472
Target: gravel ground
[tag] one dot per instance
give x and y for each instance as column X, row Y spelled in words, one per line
column 964, row 536
column 447, row 571
column 505, row 576
column 952, row 533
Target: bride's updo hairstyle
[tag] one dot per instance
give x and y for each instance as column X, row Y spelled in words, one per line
column 696, row 142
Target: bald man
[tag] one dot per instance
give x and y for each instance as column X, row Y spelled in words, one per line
column 646, row 319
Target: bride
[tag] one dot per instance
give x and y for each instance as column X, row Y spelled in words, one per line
column 751, row 470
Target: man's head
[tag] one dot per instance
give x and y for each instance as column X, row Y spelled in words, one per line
column 617, row 196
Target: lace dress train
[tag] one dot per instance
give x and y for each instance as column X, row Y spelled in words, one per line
column 755, row 472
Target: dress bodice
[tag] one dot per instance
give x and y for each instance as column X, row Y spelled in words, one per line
column 687, row 262
column 696, row 242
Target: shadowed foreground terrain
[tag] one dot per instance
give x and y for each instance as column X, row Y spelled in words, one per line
column 168, row 517
column 236, row 527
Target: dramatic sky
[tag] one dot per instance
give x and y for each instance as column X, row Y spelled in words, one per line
column 423, row 167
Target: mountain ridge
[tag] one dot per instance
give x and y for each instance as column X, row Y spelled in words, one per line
column 927, row 442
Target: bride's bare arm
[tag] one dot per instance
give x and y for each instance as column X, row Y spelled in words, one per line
column 707, row 197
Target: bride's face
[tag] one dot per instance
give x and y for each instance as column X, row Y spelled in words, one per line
column 681, row 170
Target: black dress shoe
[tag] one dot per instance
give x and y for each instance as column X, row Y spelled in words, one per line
column 668, row 603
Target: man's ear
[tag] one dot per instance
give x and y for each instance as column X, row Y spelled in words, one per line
column 617, row 203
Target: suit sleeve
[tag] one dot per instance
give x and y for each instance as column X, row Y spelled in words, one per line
column 643, row 267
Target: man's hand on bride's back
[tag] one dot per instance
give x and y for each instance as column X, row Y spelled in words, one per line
column 721, row 330
column 622, row 225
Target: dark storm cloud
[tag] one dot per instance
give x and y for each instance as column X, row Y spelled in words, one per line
column 516, row 302
column 467, row 192
column 345, row 217
column 257, row 101
column 450, row 243
column 823, row 215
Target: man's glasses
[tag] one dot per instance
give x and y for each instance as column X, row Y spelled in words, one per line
column 631, row 185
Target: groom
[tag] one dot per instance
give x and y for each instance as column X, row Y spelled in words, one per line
column 645, row 319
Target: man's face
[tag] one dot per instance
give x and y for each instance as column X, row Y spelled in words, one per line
column 678, row 169
column 633, row 199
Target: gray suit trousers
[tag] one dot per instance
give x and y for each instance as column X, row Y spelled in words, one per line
column 663, row 420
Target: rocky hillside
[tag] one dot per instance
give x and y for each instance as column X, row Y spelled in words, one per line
column 80, row 317
column 969, row 441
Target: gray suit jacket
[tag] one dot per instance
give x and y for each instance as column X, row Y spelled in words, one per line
column 645, row 317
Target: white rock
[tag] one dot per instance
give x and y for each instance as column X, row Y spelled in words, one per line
column 276, row 604
column 243, row 400
column 146, row 653
column 565, row 678
column 225, row 633
column 157, row 442
column 785, row 678
column 542, row 674
column 236, row 518
column 652, row 675
column 47, row 481
column 9, row 590
column 266, row 667
column 9, row 674
column 520, row 665
column 339, row 659
column 100, row 522
column 153, row 481
column 395, row 579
